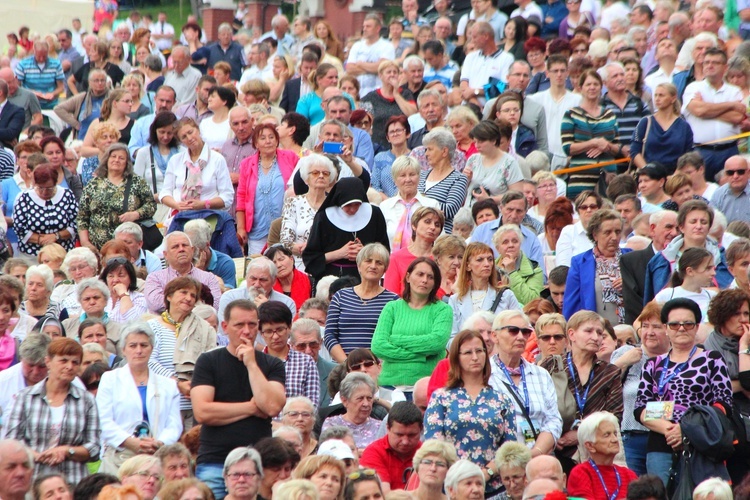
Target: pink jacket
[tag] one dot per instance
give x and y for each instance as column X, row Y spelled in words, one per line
column 286, row 159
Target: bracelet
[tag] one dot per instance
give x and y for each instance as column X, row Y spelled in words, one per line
column 537, row 448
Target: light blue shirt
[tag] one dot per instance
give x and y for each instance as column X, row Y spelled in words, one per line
column 733, row 206
column 139, row 133
column 269, row 200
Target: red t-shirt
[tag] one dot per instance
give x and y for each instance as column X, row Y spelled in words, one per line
column 390, row 467
column 584, row 482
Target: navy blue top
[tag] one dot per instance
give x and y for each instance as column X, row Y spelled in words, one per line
column 142, row 391
column 664, row 146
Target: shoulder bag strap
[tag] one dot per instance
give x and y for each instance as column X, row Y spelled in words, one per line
column 498, row 298
column 128, row 185
column 645, row 137
column 523, row 408
column 153, row 168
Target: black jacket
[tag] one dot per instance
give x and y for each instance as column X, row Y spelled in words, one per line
column 633, row 271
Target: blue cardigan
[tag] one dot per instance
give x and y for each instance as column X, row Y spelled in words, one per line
column 580, row 292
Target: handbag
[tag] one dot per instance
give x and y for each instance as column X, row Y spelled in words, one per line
column 566, row 403
column 681, row 477
column 632, row 169
column 152, row 236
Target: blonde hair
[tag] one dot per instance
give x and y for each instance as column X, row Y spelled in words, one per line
column 309, row 466
column 119, row 492
column 671, row 90
column 299, row 489
column 512, row 454
column 544, row 175
column 133, row 77
column 103, row 127
column 462, row 113
column 435, row 447
column 548, row 319
column 54, row 251
column 135, row 464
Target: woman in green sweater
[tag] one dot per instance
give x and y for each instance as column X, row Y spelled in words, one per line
column 412, row 332
column 526, row 281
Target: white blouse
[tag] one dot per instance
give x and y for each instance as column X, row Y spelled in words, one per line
column 216, row 180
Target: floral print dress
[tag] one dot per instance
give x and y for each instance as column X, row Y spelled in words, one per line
column 476, row 427
column 296, row 220
column 101, row 206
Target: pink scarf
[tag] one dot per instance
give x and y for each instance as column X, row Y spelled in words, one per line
column 193, row 186
column 7, row 351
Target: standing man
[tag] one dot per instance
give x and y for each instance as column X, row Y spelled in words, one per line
column 42, row 75
column 439, row 66
column 556, row 101
column 483, row 64
column 662, row 229
column 280, row 33
column 367, row 54
column 629, row 207
column 258, row 60
column 23, row 98
column 666, row 55
column 628, row 108
column 163, row 33
column 68, row 54
column 714, row 110
column 302, row 36
column 164, row 100
column 226, row 49
column 238, row 147
column 235, row 392
column 306, row 338
column 302, row 378
column 733, row 198
column 296, row 88
column 11, row 118
column 183, row 78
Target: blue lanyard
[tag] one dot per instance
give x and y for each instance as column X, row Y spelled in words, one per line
column 580, row 400
column 606, row 491
column 665, row 379
column 525, row 397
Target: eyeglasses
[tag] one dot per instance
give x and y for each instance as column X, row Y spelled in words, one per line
column 687, row 325
column 236, row 476
column 149, row 475
column 437, row 463
column 320, row 173
column 397, row 131
column 651, row 326
column 116, row 260
column 588, row 207
column 547, row 186
column 302, row 346
column 364, row 364
column 295, row 414
column 46, row 189
column 362, row 474
column 478, row 351
column 547, row 338
column 515, row 330
column 275, row 333
column 740, row 172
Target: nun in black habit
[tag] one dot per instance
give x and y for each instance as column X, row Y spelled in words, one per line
column 344, row 223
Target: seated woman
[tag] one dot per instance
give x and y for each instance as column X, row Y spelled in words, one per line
column 594, row 281
column 39, row 286
column 94, row 331
column 461, row 120
column 325, row 472
column 138, row 476
column 20, row 323
column 397, row 131
column 126, row 304
column 93, row 296
column 431, row 463
column 357, row 395
column 299, row 412
column 511, row 460
column 79, row 264
column 116, row 112
column 133, row 419
column 468, row 413
column 114, row 196
column 289, row 280
column 692, row 279
column 598, row 437
column 426, row 225
column 412, row 332
column 526, row 280
column 215, row 130
column 151, row 161
column 364, row 361
column 448, row 252
column 679, row 187
column 9, row 345
column 344, row 223
column 51, row 254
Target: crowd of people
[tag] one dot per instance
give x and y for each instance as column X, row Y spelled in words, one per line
column 486, row 250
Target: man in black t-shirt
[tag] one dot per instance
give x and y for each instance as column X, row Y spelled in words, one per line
column 236, row 390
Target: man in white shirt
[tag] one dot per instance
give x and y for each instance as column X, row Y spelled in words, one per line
column 260, row 68
column 302, row 36
column 556, row 101
column 162, row 32
column 714, row 109
column 183, row 78
column 367, row 54
column 528, row 9
column 666, row 55
column 481, row 65
column 691, row 164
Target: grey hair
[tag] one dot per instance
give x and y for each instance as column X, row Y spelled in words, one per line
column 153, row 62
column 44, row 272
column 442, row 138
column 299, row 399
column 435, row 447
column 316, row 160
column 512, row 454
column 604, row 70
column 636, row 29
column 265, row 264
column 471, row 321
column 715, row 488
column 341, row 125
column 225, row 27
column 589, row 426
column 374, row 250
column 522, row 63
column 657, row 217
column 18, row 445
column 403, row 163
column 353, row 381
column 171, row 235
column 287, row 428
column 505, row 316
column 200, row 231
column 94, row 347
column 276, row 19
column 504, row 229
column 131, row 228
column 97, row 72
column 412, row 60
column 181, row 48
column 95, row 283
column 537, row 161
column 429, row 93
column 463, row 217
column 305, row 325
column 137, row 328
column 707, row 37
column 80, row 253
column 335, row 432
column 204, row 311
column 238, row 455
column 462, row 469
column 33, row 349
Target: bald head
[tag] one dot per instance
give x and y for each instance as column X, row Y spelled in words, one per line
column 420, row 394
column 545, row 467
column 540, row 487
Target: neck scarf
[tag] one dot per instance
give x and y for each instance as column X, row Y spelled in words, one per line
column 169, row 319
column 608, row 270
column 729, row 347
column 7, row 350
column 193, row 186
column 403, row 230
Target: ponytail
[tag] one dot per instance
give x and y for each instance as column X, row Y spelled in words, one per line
column 690, row 258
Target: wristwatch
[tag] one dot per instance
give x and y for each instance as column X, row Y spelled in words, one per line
column 208, row 204
column 490, row 472
column 71, row 452
column 476, row 92
column 746, row 351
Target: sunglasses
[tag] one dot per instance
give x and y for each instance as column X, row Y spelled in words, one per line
column 547, row 338
column 588, row 207
column 515, row 330
column 367, row 364
column 687, row 325
column 730, row 173
column 362, row 474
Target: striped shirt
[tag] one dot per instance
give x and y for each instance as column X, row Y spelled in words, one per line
column 302, row 378
column 162, row 356
column 7, row 164
column 627, row 117
column 450, row 192
column 30, row 421
column 41, row 79
column 351, row 321
column 579, row 126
